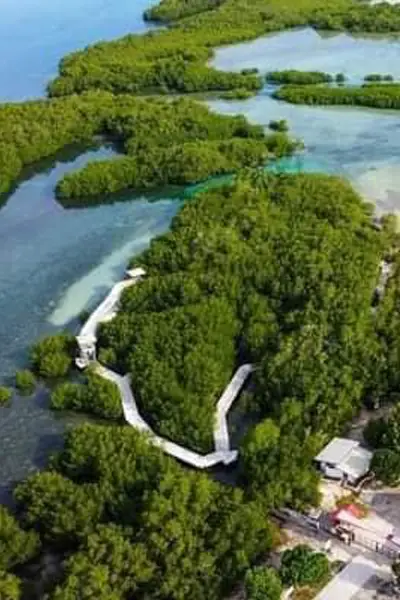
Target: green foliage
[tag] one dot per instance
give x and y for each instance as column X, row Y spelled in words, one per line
column 263, row 583
column 10, row 586
column 236, row 281
column 298, row 77
column 281, row 125
column 386, row 466
column 275, row 471
column 165, row 532
column 376, row 77
column 175, row 59
column 374, row 431
column 52, row 356
column 375, row 96
column 303, row 566
column 108, row 566
column 61, row 511
column 16, row 545
column 35, row 130
column 239, row 94
column 25, row 382
column 97, row 396
column 179, row 142
column 5, row 395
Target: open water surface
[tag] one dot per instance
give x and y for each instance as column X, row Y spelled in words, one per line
column 360, row 144
column 54, row 262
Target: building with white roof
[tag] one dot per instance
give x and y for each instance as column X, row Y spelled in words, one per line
column 344, row 459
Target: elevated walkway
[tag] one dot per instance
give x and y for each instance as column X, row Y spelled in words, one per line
column 221, row 432
column 87, row 340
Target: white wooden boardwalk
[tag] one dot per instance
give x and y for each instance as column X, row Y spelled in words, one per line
column 221, row 432
column 223, row 452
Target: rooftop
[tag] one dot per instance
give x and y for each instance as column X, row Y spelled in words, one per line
column 337, row 451
column 357, row 463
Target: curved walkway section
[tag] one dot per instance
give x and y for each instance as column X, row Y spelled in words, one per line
column 221, row 432
column 87, row 345
column 132, row 416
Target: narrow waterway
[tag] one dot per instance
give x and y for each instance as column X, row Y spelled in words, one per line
column 54, row 262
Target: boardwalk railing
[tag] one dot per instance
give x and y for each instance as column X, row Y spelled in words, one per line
column 87, row 345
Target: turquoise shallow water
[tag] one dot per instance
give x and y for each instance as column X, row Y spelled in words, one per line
column 362, row 145
column 55, row 262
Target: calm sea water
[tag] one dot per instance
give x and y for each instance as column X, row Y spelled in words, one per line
column 362, row 145
column 56, row 262
column 35, row 34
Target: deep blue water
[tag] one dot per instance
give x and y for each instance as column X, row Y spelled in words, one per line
column 56, row 262
column 35, row 34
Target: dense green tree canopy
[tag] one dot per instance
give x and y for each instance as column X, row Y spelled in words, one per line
column 165, row 532
column 16, row 545
column 386, row 466
column 263, row 583
column 376, row 96
column 302, row 566
column 97, row 396
column 53, row 356
column 298, row 77
column 5, row 395
column 10, row 586
column 175, row 59
column 267, row 270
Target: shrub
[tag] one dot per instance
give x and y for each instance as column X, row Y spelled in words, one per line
column 5, row 395
column 302, row 566
column 263, row 583
column 386, row 466
column 25, row 381
column 10, row 586
column 239, row 94
column 280, row 126
column 52, row 356
column 298, row 77
column 374, row 432
column 97, row 396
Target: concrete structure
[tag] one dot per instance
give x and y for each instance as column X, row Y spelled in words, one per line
column 133, row 417
column 221, row 433
column 345, row 460
column 350, row 580
column 106, row 311
column 87, row 340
